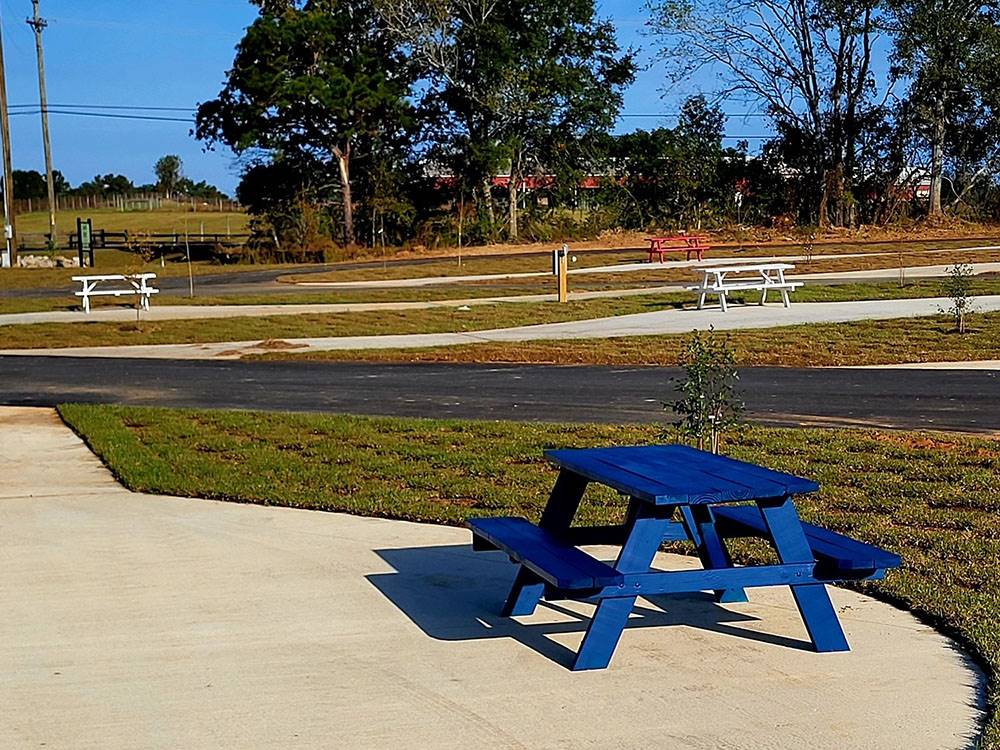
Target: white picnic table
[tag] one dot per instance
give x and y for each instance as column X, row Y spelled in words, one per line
column 762, row 277
column 127, row 284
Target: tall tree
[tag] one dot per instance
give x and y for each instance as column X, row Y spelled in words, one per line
column 169, row 172
column 318, row 78
column 699, row 129
column 947, row 49
column 523, row 82
column 60, row 183
column 806, row 63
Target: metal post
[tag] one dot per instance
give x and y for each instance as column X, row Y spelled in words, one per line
column 38, row 23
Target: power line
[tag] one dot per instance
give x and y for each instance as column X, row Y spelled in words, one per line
column 106, row 115
column 192, row 109
column 135, row 107
column 59, row 109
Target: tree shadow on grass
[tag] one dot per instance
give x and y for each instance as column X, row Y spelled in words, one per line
column 453, row 594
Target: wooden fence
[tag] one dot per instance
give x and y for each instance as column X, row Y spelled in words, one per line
column 156, row 244
column 127, row 202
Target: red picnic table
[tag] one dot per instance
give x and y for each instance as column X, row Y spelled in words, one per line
column 689, row 244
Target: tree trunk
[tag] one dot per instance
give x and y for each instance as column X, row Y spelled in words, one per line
column 831, row 201
column 344, row 166
column 488, row 200
column 512, row 188
column 822, row 220
column 937, row 162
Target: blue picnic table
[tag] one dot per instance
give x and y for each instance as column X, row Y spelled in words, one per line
column 675, row 493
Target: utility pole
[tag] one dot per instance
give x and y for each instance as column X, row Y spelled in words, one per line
column 10, row 226
column 38, row 23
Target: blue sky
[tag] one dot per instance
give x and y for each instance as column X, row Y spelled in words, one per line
column 175, row 54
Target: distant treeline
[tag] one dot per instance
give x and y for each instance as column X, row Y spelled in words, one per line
column 171, row 183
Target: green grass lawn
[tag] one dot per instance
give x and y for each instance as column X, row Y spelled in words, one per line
column 932, row 498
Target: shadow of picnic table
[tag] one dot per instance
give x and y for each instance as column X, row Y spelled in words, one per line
column 453, row 594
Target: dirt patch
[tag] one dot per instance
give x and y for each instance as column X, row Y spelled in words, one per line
column 278, row 345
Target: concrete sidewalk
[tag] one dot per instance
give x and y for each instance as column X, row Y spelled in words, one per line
column 136, row 621
column 639, row 324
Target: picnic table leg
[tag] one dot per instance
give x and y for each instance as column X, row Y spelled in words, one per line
column 722, row 300
column 784, row 290
column 700, row 523
column 557, row 516
column 609, row 620
column 765, row 279
column 813, row 601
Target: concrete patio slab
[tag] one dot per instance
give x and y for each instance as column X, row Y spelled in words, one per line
column 136, row 621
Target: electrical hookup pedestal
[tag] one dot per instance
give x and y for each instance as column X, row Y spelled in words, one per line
column 560, row 269
column 8, row 240
column 85, row 241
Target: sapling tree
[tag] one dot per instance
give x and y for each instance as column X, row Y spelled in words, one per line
column 141, row 252
column 808, row 234
column 958, row 289
column 708, row 403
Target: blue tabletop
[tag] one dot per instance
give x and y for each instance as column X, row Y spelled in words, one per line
column 677, row 474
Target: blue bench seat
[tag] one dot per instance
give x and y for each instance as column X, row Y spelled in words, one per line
column 836, row 554
column 550, row 558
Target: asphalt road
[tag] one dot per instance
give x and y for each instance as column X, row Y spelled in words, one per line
column 948, row 400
